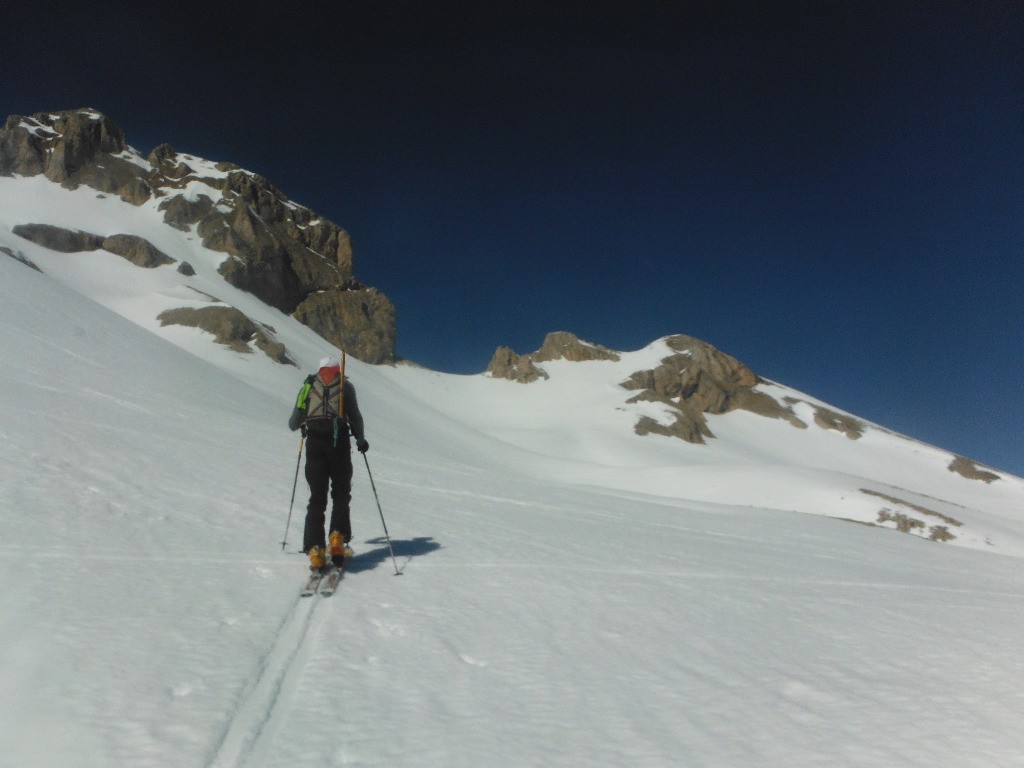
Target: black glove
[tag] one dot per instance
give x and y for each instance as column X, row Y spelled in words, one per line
column 362, row 445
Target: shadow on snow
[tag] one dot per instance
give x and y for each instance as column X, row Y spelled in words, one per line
column 405, row 550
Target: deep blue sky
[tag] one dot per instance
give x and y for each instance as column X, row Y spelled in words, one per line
column 830, row 191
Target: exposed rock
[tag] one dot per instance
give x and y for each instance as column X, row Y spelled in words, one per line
column 113, row 175
column 970, row 470
column 19, row 256
column 506, row 364
column 182, row 213
column 826, row 418
column 58, row 238
column 560, row 345
column 72, row 148
column 280, row 251
column 23, row 145
column 165, row 160
column 137, row 250
column 911, row 505
column 186, row 269
column 696, row 380
column 692, row 429
column 85, row 137
column 229, row 327
column 56, row 144
column 563, row 345
column 360, row 321
column 765, row 405
column 907, row 524
column 258, row 263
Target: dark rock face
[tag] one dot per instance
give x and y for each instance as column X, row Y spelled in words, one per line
column 280, row 251
column 72, row 148
column 360, row 320
column 58, row 145
column 58, row 238
column 137, row 250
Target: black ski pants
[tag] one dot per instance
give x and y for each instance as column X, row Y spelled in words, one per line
column 327, row 465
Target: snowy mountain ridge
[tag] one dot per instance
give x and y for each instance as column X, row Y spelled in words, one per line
column 269, row 246
column 580, row 412
column 574, row 593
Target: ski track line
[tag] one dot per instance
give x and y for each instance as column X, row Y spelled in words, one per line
column 260, row 699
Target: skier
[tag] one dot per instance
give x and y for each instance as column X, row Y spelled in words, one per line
column 326, row 410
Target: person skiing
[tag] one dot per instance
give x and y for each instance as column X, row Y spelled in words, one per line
column 326, row 410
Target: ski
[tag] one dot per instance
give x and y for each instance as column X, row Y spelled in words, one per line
column 329, row 583
column 311, row 584
column 322, row 583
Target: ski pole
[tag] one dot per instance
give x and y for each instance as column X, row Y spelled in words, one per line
column 377, row 498
column 295, row 485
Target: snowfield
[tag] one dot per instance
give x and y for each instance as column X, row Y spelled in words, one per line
column 570, row 594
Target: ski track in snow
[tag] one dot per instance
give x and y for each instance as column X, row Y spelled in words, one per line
column 252, row 721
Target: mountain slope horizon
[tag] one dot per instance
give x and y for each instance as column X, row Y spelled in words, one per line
column 126, row 252
column 582, row 584
column 573, row 593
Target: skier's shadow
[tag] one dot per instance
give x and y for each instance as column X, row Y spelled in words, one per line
column 405, row 550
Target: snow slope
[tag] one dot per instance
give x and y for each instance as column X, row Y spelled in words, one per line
column 571, row 593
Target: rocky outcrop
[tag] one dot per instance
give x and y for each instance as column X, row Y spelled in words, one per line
column 58, row 238
column 696, row 380
column 967, row 468
column 280, row 251
column 826, row 418
column 360, row 321
column 183, row 213
column 137, row 250
column 506, row 364
column 72, row 148
column 229, row 327
column 561, row 345
column 57, row 145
